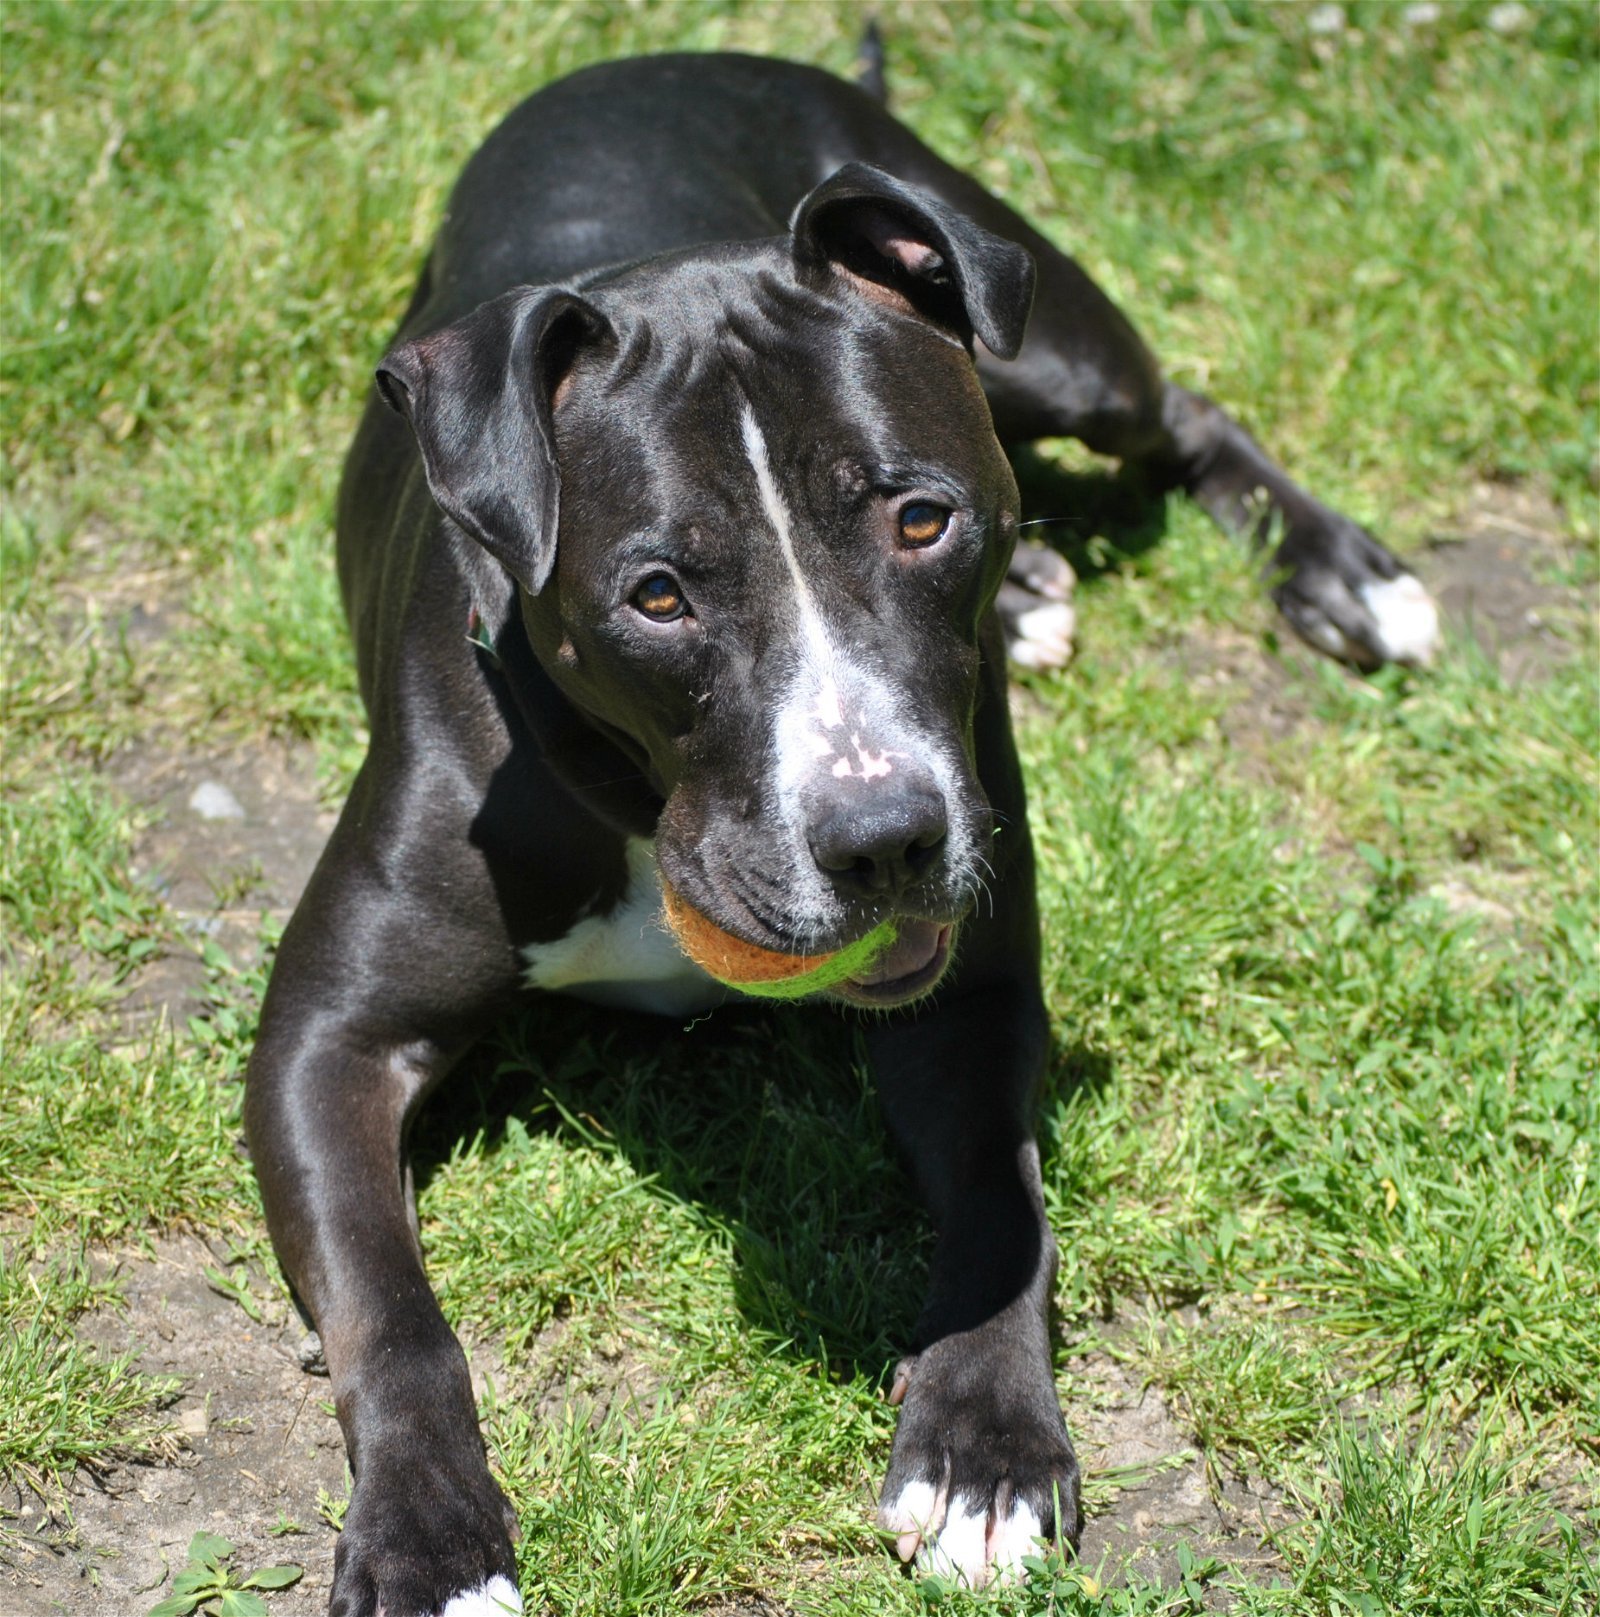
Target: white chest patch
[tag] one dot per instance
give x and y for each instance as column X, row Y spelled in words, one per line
column 627, row 957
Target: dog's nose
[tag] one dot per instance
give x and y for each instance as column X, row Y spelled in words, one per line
column 883, row 848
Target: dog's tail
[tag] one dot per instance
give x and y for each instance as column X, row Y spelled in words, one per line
column 869, row 64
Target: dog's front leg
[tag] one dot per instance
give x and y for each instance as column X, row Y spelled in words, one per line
column 360, row 1020
column 982, row 1465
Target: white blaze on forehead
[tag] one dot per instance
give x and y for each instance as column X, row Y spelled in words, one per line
column 819, row 649
column 829, row 713
column 837, row 716
column 813, row 724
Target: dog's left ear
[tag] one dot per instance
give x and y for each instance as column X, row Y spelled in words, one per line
column 478, row 395
column 908, row 247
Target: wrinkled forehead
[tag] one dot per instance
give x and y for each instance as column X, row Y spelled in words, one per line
column 831, row 380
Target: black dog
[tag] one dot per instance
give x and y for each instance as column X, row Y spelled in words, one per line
column 671, row 548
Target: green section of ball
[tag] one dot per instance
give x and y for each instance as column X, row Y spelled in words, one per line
column 829, row 971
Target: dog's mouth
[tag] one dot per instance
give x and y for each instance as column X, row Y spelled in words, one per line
column 909, row 968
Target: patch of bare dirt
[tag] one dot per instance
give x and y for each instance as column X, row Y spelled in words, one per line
column 221, row 872
column 1126, row 1433
column 258, row 1442
column 1496, row 570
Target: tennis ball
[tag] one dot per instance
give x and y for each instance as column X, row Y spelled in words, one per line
column 767, row 972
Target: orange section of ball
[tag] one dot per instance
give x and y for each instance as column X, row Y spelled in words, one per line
column 727, row 958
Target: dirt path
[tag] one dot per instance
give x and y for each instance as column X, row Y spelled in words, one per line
column 258, row 1443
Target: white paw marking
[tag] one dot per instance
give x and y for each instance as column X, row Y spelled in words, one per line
column 914, row 1514
column 1044, row 636
column 958, row 1551
column 1010, row 1538
column 496, row 1598
column 956, row 1538
column 1407, row 619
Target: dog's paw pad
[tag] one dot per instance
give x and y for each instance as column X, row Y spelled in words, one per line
column 1407, row 620
column 496, row 1598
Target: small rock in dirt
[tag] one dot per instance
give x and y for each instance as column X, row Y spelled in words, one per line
column 194, row 1422
column 213, row 801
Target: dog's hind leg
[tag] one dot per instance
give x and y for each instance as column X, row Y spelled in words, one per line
column 1084, row 373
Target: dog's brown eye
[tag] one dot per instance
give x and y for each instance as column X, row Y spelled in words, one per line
column 922, row 523
column 660, row 598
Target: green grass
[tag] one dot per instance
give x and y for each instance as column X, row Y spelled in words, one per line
column 62, row 1404
column 1402, row 1529
column 1326, row 994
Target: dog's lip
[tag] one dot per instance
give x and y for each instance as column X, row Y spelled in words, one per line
column 909, row 968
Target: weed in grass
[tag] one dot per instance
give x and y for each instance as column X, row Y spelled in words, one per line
column 1401, row 1529
column 62, row 1404
column 236, row 1287
column 333, row 1507
column 1248, row 1389
column 208, row 1587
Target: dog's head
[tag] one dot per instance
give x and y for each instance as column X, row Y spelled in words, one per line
column 754, row 501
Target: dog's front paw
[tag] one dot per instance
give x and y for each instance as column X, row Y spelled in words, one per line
column 1346, row 595
column 982, row 1470
column 427, row 1539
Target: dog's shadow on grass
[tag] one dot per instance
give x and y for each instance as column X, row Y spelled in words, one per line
column 1098, row 520
column 758, row 1122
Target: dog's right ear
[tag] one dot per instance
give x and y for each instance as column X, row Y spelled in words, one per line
column 919, row 253
column 478, row 396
